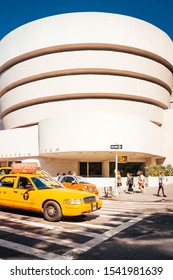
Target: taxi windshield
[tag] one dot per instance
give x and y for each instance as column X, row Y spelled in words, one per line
column 81, row 180
column 45, row 183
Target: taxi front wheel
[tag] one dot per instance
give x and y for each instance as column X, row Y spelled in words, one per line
column 52, row 211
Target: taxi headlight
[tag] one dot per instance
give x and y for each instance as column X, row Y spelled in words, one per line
column 73, row 201
column 97, row 197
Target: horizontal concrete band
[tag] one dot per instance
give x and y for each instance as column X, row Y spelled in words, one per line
column 86, row 46
column 85, row 71
column 80, row 96
column 33, row 114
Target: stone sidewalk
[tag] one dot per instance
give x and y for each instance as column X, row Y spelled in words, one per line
column 149, row 195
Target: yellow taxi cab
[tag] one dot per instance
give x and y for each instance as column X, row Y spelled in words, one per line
column 78, row 183
column 31, row 191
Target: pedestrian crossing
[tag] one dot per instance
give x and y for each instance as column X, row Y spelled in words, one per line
column 23, row 236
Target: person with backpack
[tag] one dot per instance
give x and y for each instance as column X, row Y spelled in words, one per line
column 130, row 180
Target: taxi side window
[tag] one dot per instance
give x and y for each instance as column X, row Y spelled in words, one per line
column 7, row 182
column 24, row 183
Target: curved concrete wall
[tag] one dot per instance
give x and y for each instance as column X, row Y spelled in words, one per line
column 86, row 59
column 19, row 142
column 97, row 133
column 75, row 68
column 83, row 55
column 89, row 27
column 84, row 105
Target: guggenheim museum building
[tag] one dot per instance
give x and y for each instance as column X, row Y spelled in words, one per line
column 73, row 86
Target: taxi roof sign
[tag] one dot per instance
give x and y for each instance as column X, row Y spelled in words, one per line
column 27, row 168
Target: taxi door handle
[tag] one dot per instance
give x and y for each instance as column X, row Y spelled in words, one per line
column 15, row 191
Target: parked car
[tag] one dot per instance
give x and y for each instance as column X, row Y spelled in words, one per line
column 38, row 193
column 78, row 183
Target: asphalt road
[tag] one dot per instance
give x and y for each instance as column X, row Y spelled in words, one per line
column 121, row 230
column 149, row 239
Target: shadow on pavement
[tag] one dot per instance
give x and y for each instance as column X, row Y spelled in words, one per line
column 149, row 239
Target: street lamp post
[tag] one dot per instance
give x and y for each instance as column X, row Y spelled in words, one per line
column 116, row 147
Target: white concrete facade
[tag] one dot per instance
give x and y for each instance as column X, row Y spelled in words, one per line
column 72, row 85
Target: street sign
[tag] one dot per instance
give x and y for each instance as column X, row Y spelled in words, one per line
column 117, row 146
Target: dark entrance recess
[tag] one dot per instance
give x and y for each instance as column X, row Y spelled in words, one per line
column 124, row 168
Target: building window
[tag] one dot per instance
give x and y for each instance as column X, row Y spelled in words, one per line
column 83, row 169
column 91, row 169
column 124, row 168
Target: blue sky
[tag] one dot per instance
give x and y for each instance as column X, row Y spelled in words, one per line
column 14, row 13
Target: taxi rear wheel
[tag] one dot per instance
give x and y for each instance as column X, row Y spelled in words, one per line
column 52, row 211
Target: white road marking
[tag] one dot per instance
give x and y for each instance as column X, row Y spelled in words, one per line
column 118, row 209
column 26, row 222
column 90, row 225
column 121, row 212
column 37, row 253
column 113, row 214
column 47, row 238
column 53, row 228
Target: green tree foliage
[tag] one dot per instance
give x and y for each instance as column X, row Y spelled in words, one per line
column 154, row 170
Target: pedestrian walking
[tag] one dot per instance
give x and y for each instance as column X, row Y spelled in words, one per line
column 161, row 185
column 129, row 182
column 141, row 182
column 119, row 183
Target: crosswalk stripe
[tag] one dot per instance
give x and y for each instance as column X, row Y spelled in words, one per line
column 48, row 239
column 90, row 225
column 37, row 253
column 118, row 209
column 114, row 222
column 55, row 228
column 112, row 214
column 27, row 222
column 115, row 209
column 119, row 206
